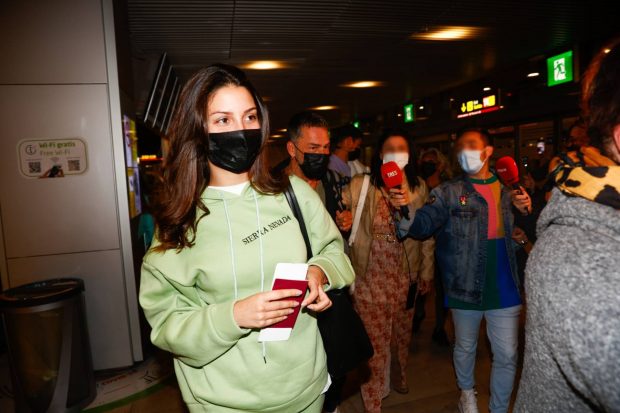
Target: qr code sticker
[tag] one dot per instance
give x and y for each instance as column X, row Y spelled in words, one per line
column 34, row 167
column 74, row 165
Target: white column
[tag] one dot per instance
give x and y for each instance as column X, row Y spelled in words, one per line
column 59, row 81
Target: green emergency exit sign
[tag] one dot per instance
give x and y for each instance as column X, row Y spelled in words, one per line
column 560, row 69
column 408, row 111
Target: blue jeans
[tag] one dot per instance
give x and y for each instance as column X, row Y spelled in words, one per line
column 502, row 331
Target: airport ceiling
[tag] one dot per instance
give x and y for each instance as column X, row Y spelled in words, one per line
column 325, row 44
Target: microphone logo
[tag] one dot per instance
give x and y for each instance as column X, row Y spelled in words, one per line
column 393, row 178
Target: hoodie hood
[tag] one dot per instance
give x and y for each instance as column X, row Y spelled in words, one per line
column 572, row 211
column 215, row 196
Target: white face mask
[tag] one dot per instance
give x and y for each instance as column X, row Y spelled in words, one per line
column 401, row 158
column 470, row 161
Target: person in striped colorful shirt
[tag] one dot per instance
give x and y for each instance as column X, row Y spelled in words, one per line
column 471, row 218
column 500, row 290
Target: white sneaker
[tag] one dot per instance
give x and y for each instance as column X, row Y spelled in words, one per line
column 468, row 402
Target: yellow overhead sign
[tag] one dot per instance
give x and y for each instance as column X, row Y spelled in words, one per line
column 478, row 106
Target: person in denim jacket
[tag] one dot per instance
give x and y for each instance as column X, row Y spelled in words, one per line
column 471, row 218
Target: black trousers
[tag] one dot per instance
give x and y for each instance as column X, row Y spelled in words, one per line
column 333, row 397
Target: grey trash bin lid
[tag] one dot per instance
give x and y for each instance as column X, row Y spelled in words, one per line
column 41, row 292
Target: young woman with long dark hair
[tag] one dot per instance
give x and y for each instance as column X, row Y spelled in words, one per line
column 222, row 226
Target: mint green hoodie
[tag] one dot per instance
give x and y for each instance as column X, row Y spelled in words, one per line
column 188, row 299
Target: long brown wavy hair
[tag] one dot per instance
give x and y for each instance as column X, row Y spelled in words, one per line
column 600, row 100
column 177, row 206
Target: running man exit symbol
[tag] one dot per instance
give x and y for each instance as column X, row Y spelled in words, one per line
column 559, row 69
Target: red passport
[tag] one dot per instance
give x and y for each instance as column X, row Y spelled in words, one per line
column 283, row 284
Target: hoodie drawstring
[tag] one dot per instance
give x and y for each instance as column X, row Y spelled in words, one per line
column 262, row 266
column 232, row 249
column 261, row 250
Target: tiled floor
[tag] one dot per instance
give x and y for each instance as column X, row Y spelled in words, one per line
column 431, row 381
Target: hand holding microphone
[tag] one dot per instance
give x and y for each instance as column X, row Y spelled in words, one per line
column 508, row 172
column 521, row 200
column 399, row 198
column 393, row 180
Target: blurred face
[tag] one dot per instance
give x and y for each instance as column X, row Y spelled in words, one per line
column 429, row 165
column 232, row 108
column 394, row 144
column 347, row 144
column 395, row 149
column 429, row 157
column 474, row 141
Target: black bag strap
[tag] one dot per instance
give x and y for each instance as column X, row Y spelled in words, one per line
column 289, row 193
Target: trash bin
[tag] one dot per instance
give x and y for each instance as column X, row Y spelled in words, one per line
column 48, row 346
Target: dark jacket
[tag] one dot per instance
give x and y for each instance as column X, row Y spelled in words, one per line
column 457, row 216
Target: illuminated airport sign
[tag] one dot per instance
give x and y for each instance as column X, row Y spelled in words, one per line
column 560, row 69
column 408, row 111
column 475, row 107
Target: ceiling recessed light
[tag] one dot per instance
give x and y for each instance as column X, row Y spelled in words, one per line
column 446, row 33
column 533, row 74
column 277, row 135
column 265, row 65
column 421, row 107
column 364, row 84
column 324, row 107
column 606, row 51
column 486, row 89
column 400, row 115
column 282, row 130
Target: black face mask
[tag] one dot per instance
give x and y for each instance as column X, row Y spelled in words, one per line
column 236, row 150
column 427, row 169
column 315, row 164
column 355, row 154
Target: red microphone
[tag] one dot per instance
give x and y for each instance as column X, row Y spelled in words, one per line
column 508, row 172
column 393, row 178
